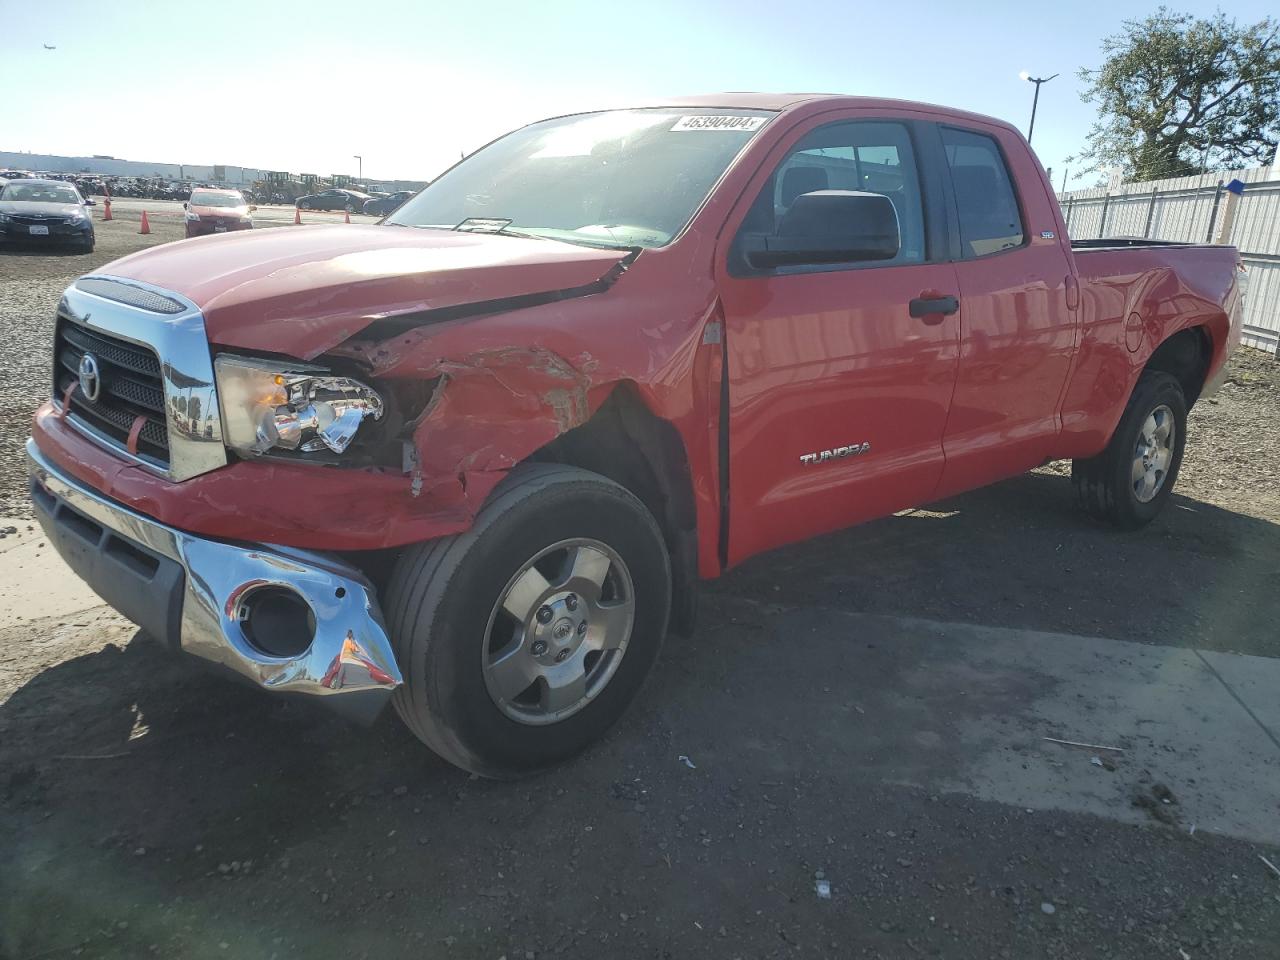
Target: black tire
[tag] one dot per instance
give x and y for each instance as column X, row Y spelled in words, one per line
column 1104, row 484
column 442, row 593
column 85, row 246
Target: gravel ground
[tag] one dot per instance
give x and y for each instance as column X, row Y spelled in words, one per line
column 148, row 810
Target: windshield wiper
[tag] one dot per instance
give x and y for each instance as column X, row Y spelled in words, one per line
column 484, row 225
column 496, row 226
column 629, row 247
column 501, row 226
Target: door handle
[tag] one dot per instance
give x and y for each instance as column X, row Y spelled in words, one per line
column 931, row 306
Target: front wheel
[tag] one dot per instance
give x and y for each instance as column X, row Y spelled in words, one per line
column 522, row 640
column 1129, row 482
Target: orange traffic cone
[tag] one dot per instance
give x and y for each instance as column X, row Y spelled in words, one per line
column 146, row 226
column 346, row 217
column 106, row 209
column 297, row 215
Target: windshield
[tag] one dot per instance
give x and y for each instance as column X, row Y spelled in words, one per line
column 622, row 178
column 199, row 199
column 39, row 193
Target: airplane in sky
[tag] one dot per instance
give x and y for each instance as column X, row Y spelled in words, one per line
column 50, row 47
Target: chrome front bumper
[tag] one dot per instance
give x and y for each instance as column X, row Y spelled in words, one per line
column 192, row 591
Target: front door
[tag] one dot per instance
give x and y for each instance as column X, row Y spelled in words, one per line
column 838, row 395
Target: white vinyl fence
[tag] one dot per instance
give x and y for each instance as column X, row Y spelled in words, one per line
column 1199, row 210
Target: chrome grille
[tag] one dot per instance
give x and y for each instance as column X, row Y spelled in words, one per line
column 131, row 389
column 155, row 374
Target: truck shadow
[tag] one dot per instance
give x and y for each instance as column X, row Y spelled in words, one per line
column 1021, row 554
column 129, row 775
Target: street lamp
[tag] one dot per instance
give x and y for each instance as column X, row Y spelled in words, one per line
column 360, row 170
column 1036, row 100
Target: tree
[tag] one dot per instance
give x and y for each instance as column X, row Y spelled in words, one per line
column 1178, row 95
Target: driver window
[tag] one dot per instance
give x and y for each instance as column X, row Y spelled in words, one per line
column 867, row 156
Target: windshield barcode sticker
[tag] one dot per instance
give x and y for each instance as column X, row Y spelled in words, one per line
column 749, row 124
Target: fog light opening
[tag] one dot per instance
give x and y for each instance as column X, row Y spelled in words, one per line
column 277, row 621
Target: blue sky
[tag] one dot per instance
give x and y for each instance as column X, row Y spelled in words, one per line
column 304, row 87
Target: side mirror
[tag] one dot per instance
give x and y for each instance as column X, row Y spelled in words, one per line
column 252, row 207
column 90, row 203
column 828, row 226
column 184, row 204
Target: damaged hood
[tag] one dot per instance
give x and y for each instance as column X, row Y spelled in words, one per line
column 301, row 291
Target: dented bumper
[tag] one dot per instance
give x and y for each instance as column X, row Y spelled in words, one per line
column 319, row 629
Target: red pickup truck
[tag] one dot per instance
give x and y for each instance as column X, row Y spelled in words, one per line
column 474, row 459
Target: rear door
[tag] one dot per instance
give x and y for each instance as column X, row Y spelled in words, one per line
column 838, row 396
column 1018, row 331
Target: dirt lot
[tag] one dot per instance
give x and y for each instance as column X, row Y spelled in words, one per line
column 147, row 809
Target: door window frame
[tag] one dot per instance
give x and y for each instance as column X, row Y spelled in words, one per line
column 957, row 242
column 932, row 183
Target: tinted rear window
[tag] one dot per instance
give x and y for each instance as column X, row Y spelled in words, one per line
column 985, row 199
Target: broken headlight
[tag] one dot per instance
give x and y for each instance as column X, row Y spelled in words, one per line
column 270, row 405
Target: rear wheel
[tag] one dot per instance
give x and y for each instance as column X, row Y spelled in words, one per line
column 522, row 640
column 351, row 208
column 1129, row 482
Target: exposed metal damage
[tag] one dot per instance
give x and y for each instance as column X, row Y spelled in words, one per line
column 490, row 410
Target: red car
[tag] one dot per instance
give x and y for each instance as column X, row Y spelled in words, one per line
column 475, row 460
column 217, row 211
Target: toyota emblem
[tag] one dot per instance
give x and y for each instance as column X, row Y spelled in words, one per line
column 90, row 379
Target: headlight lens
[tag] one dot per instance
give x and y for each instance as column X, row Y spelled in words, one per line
column 268, row 405
column 192, row 215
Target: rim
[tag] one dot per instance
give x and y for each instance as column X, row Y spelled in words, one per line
column 558, row 631
column 1153, row 454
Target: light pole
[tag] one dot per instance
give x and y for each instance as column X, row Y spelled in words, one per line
column 1035, row 100
column 360, row 160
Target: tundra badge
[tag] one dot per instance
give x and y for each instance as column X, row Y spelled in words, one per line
column 838, row 453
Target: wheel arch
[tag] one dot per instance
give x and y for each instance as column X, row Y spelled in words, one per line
column 1186, row 356
column 626, row 442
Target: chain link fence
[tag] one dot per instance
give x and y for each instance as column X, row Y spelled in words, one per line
column 1199, row 209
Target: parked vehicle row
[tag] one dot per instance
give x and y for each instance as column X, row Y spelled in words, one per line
column 473, row 460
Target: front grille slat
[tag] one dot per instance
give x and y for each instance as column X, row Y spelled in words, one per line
column 139, row 394
column 131, row 387
column 120, row 352
column 123, row 386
